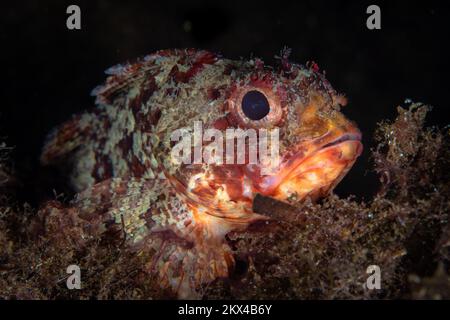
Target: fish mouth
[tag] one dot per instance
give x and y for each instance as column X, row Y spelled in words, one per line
column 320, row 170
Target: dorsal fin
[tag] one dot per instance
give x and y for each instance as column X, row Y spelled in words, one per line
column 122, row 76
column 143, row 73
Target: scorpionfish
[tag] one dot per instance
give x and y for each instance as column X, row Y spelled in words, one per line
column 118, row 155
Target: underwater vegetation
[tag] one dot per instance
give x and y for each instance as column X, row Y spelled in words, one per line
column 309, row 251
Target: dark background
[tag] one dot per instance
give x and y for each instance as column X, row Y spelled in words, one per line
column 48, row 71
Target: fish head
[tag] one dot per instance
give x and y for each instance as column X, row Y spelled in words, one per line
column 275, row 132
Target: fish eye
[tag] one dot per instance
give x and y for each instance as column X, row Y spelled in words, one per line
column 255, row 105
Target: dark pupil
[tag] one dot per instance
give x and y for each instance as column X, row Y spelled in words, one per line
column 255, row 105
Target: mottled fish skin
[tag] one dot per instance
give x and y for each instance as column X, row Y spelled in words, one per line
column 119, row 153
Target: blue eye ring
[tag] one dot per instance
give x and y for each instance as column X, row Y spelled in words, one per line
column 255, row 105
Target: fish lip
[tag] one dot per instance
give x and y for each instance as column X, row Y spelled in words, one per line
column 353, row 136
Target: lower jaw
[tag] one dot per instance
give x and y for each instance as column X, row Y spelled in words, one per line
column 318, row 174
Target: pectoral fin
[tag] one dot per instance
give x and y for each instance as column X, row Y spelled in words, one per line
column 188, row 245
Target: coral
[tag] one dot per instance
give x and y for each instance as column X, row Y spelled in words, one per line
column 309, row 251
